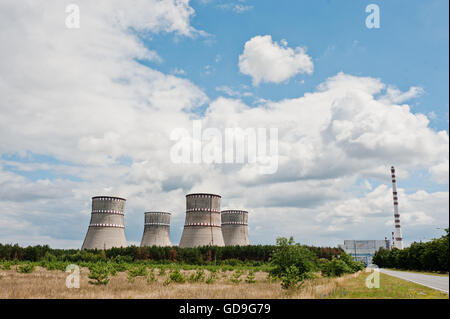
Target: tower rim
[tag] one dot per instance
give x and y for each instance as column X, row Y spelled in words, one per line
column 234, row 210
column 157, row 212
column 109, row 197
column 210, row 194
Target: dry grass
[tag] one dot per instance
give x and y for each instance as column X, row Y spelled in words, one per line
column 43, row 283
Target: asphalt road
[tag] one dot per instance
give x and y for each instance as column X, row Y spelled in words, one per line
column 435, row 282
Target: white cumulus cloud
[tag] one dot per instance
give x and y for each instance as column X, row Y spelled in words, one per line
column 267, row 61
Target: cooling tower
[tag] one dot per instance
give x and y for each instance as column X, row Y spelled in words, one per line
column 235, row 227
column 106, row 229
column 156, row 229
column 202, row 225
column 398, row 230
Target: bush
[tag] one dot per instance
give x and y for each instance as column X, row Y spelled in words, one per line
column 162, row 271
column 137, row 271
column 354, row 266
column 25, row 268
column 198, row 276
column 292, row 262
column 235, row 278
column 211, row 278
column 250, row 278
column 175, row 276
column 292, row 278
column 5, row 265
column 151, row 277
column 99, row 273
column 335, row 268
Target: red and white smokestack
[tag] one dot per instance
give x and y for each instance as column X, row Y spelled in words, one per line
column 398, row 232
column 393, row 241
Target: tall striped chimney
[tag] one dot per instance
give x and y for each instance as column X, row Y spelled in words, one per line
column 398, row 232
column 393, row 241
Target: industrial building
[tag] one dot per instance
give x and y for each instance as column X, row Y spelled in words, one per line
column 106, row 227
column 156, row 229
column 364, row 250
column 202, row 225
column 235, row 227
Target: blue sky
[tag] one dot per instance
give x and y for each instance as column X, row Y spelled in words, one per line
column 409, row 49
column 89, row 111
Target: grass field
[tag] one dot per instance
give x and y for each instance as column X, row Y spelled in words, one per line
column 43, row 283
column 390, row 287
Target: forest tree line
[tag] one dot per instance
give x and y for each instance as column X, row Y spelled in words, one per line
column 253, row 254
column 424, row 256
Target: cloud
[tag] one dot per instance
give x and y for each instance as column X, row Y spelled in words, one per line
column 239, row 8
column 440, row 173
column 267, row 61
column 235, row 7
column 230, row 92
column 394, row 95
column 178, row 71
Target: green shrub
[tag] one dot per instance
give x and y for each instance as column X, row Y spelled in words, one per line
column 151, row 277
column 177, row 276
column 137, row 271
column 355, row 266
column 291, row 261
column 292, row 278
column 25, row 268
column 5, row 265
column 235, row 278
column 198, row 276
column 335, row 268
column 211, row 278
column 162, row 271
column 250, row 278
column 99, row 273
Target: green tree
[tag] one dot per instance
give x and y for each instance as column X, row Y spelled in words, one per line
column 291, row 261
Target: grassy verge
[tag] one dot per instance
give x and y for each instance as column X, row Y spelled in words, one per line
column 421, row 272
column 390, row 288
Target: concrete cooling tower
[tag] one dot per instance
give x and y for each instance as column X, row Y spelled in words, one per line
column 106, row 228
column 235, row 227
column 156, row 229
column 202, row 225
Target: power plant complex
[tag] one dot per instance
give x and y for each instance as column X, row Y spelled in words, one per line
column 364, row 250
column 205, row 224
